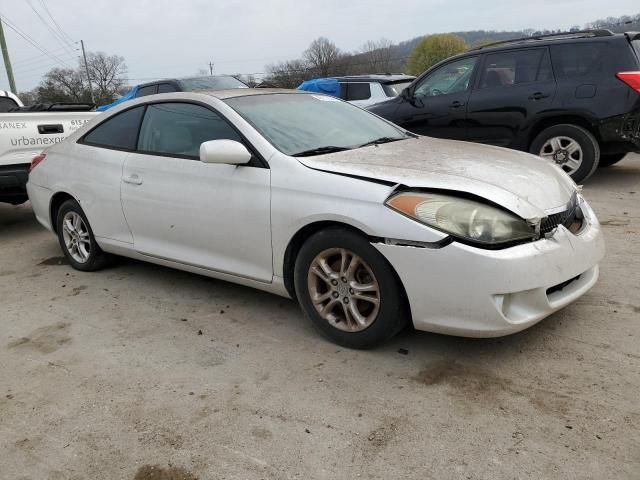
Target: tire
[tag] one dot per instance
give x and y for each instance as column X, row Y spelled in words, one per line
column 610, row 159
column 371, row 271
column 551, row 143
column 76, row 239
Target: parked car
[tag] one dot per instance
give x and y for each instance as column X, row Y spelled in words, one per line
column 573, row 98
column 8, row 101
column 25, row 132
column 189, row 84
column 361, row 90
column 307, row 196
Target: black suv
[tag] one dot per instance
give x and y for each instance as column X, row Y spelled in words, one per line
column 572, row 97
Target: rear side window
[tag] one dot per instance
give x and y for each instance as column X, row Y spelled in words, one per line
column 178, row 129
column 355, row 91
column 7, row 104
column 148, row 90
column 166, row 88
column 118, row 132
column 578, row 60
column 515, row 67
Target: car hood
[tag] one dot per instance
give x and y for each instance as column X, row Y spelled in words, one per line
column 522, row 183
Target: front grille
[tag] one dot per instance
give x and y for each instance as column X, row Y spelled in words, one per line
column 566, row 217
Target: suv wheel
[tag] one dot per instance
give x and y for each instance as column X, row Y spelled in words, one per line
column 76, row 238
column 572, row 148
column 348, row 289
column 610, row 159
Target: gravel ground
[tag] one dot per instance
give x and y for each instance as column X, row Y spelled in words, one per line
column 142, row 372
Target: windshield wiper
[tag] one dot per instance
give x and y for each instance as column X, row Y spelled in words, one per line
column 381, row 140
column 320, row 151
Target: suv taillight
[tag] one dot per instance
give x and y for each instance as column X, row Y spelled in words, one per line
column 35, row 161
column 630, row 78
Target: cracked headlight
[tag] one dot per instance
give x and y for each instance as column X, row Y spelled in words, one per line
column 463, row 218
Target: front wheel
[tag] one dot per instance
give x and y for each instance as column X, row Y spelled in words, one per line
column 348, row 289
column 572, row 148
column 76, row 238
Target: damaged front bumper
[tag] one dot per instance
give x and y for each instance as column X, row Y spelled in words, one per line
column 463, row 290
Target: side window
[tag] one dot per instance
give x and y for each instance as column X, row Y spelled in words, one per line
column 357, row 91
column 7, row 104
column 180, row 128
column 574, row 60
column 166, row 88
column 119, row 131
column 148, row 90
column 453, row 77
column 515, row 67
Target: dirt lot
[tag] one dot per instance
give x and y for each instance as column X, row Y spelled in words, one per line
column 142, row 372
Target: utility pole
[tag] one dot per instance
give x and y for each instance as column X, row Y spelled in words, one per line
column 211, row 69
column 86, row 67
column 7, row 60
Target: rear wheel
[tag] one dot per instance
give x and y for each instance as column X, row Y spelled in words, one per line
column 76, row 238
column 348, row 289
column 572, row 148
column 610, row 159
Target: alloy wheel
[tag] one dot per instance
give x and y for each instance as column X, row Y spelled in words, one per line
column 76, row 237
column 564, row 151
column 343, row 289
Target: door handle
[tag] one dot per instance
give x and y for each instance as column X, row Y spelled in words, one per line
column 538, row 96
column 457, row 104
column 133, row 179
column 50, row 129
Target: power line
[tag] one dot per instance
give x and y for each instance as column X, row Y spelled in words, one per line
column 55, row 35
column 26, row 37
column 37, row 58
column 62, row 32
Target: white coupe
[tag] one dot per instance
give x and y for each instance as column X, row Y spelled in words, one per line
column 309, row 197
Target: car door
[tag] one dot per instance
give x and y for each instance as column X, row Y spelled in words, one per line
column 212, row 216
column 514, row 88
column 95, row 172
column 437, row 103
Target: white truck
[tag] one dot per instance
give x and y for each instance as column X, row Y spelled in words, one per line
column 27, row 131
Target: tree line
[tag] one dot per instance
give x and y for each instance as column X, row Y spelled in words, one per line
column 322, row 58
column 106, row 72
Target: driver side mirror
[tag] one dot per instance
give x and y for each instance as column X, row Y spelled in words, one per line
column 228, row 152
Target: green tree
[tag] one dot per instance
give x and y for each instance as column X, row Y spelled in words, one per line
column 433, row 49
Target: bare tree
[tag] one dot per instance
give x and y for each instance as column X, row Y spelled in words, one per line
column 323, row 57
column 287, row 74
column 62, row 85
column 107, row 73
column 377, row 56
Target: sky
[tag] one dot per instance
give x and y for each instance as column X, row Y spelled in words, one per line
column 160, row 39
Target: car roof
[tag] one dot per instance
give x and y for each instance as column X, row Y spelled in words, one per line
column 176, row 79
column 377, row 77
column 545, row 40
column 246, row 92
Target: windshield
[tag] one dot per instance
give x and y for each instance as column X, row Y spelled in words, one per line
column 210, row 83
column 395, row 89
column 636, row 46
column 297, row 123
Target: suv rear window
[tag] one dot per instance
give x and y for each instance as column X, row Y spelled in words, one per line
column 355, row 91
column 636, row 47
column 148, row 90
column 574, row 60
